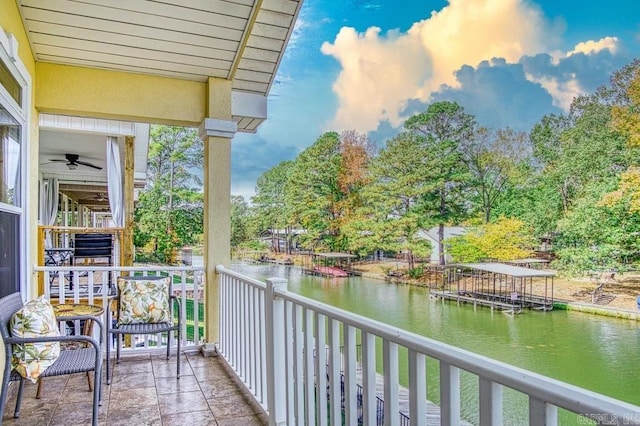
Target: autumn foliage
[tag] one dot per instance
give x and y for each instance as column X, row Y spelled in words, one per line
column 504, row 239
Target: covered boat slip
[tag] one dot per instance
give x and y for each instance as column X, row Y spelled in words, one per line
column 500, row 286
column 330, row 264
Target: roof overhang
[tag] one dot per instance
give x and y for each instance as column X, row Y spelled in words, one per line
column 239, row 40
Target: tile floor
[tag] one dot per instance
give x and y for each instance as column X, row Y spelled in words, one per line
column 143, row 391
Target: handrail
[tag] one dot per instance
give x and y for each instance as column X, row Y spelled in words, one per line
column 96, row 284
column 561, row 394
column 38, row 268
column 43, row 230
column 302, row 320
column 85, row 229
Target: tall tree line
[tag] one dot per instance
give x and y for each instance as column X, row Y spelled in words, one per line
column 574, row 177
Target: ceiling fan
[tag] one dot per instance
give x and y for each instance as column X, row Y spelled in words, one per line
column 100, row 197
column 73, row 162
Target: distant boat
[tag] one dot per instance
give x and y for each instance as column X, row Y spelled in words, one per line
column 330, row 271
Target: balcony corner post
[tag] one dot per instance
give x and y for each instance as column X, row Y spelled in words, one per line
column 275, row 356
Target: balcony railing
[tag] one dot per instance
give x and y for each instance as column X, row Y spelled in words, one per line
column 268, row 336
column 96, row 284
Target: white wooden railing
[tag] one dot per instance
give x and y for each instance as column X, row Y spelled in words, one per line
column 95, row 284
column 268, row 337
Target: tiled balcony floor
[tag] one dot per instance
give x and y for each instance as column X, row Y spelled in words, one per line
column 143, row 391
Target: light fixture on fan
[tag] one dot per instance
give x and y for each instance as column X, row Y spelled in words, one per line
column 72, row 166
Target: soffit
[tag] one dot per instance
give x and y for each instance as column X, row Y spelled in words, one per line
column 241, row 40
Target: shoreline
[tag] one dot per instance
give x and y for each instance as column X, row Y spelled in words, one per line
column 597, row 310
column 566, row 305
column 379, row 271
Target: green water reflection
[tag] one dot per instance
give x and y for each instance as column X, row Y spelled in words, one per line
column 597, row 353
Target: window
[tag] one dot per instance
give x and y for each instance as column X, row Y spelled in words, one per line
column 9, row 159
column 10, row 84
column 13, row 150
column 9, row 253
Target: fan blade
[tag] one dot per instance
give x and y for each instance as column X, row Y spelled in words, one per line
column 84, row 163
column 57, row 160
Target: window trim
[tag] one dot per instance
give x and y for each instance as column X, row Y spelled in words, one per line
column 9, row 56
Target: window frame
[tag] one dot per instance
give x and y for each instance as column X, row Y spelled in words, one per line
column 21, row 113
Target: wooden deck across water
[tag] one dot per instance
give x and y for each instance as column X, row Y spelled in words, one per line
column 433, row 410
column 493, row 302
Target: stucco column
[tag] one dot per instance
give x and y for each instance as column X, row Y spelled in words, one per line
column 216, row 132
column 129, row 169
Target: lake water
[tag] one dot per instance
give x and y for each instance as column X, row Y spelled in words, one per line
column 594, row 352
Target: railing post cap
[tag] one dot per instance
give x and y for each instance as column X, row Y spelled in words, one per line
column 277, row 283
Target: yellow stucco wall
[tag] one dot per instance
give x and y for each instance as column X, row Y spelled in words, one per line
column 11, row 22
column 79, row 91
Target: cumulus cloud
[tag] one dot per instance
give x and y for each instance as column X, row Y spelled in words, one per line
column 595, row 46
column 579, row 71
column 502, row 94
column 499, row 95
column 380, row 72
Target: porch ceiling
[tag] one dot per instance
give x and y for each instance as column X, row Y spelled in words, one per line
column 240, row 40
column 86, row 137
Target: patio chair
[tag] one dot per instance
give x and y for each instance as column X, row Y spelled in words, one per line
column 144, row 305
column 69, row 362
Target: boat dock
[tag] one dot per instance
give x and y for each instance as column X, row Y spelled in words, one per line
column 333, row 265
column 498, row 286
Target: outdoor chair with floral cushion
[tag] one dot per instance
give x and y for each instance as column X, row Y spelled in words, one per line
column 32, row 348
column 144, row 305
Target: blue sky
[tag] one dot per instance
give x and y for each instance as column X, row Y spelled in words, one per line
column 370, row 64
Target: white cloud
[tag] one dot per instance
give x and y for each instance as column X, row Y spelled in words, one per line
column 594, row 46
column 380, row 72
column 562, row 92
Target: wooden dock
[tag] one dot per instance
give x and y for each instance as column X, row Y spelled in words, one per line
column 494, row 302
column 433, row 410
column 498, row 286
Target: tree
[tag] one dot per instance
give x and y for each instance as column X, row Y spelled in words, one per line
column 269, row 203
column 322, row 190
column 504, row 239
column 312, row 192
column 391, row 213
column 169, row 213
column 626, row 119
column 596, row 235
column 239, row 221
column 546, row 138
column 493, row 158
column 444, row 126
column 356, row 151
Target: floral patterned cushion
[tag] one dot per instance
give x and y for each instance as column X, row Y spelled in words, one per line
column 144, row 300
column 35, row 319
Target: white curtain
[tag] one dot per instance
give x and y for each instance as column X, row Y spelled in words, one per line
column 114, row 180
column 49, row 203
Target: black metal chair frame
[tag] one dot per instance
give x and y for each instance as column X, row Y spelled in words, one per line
column 69, row 362
column 118, row 330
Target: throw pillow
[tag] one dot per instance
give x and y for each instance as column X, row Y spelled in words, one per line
column 35, row 319
column 144, row 300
